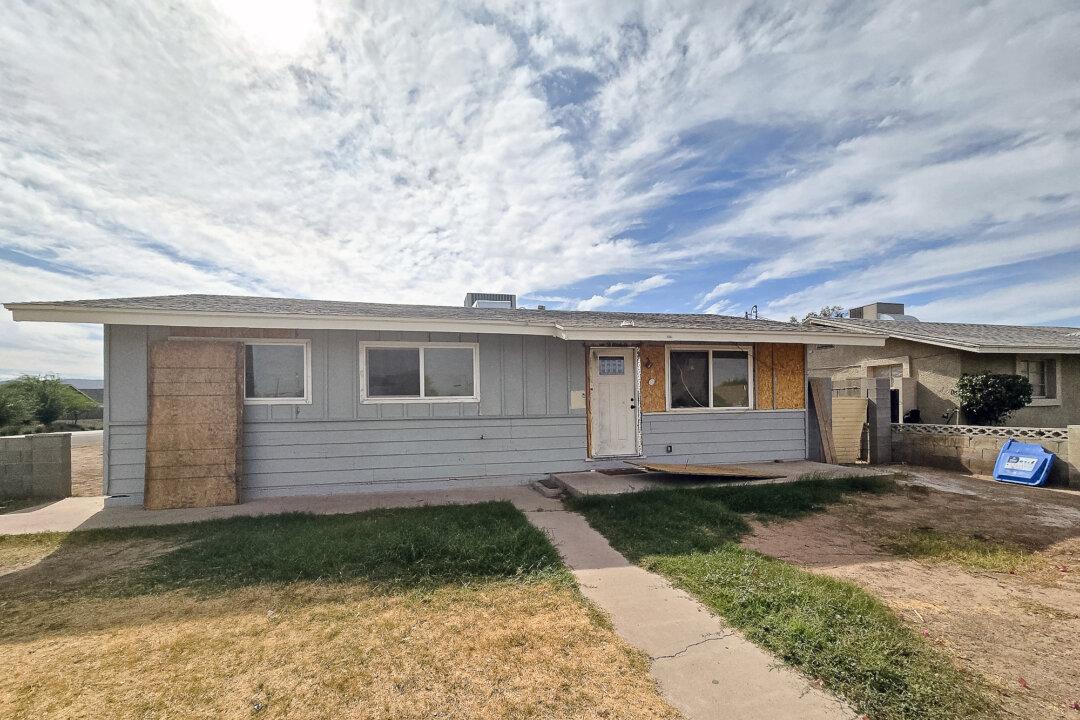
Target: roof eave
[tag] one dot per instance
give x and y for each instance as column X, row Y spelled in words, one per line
column 957, row 345
column 34, row 312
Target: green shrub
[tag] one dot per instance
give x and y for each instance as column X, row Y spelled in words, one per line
column 989, row 398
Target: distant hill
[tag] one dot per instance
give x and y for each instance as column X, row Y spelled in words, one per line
column 85, row 383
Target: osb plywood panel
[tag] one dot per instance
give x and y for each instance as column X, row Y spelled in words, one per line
column 779, row 376
column 233, row 333
column 763, row 376
column 789, row 376
column 194, row 438
column 653, row 392
column 848, row 424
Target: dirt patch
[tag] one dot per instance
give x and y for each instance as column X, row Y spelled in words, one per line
column 86, row 471
column 1014, row 629
column 307, row 650
column 46, row 563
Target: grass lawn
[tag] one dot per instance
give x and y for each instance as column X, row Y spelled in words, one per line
column 9, row 505
column 829, row 629
column 450, row 612
column 970, row 552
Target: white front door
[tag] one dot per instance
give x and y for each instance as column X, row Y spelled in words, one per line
column 613, row 402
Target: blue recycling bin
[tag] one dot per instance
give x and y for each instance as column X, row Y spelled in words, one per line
column 1023, row 463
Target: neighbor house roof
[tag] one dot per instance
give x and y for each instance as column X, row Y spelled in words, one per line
column 262, row 312
column 967, row 336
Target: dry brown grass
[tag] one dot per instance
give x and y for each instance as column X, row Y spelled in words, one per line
column 75, row 644
column 308, row 651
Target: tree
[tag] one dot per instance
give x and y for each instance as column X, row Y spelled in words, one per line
column 76, row 402
column 47, row 398
column 829, row 311
column 13, row 409
column 989, row 398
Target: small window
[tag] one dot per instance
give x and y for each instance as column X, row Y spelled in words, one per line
column 717, row 378
column 276, row 373
column 404, row 373
column 612, row 365
column 1042, row 374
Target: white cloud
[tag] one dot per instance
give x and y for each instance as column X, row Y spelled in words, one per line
column 402, row 152
column 623, row 292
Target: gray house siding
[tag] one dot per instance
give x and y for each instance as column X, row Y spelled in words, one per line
column 523, row 427
column 725, row 437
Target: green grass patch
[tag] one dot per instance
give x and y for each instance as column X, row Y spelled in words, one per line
column 9, row 505
column 973, row 553
column 827, row 628
column 677, row 521
column 408, row 547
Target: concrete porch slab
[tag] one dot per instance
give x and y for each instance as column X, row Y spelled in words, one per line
column 578, row 484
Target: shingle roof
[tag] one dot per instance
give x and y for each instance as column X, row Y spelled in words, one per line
column 233, row 304
column 972, row 336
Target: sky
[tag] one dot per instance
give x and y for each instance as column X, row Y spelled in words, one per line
column 603, row 155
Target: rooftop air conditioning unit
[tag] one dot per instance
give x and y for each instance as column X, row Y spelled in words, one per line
column 490, row 300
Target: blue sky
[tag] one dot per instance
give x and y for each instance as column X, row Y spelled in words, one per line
column 683, row 156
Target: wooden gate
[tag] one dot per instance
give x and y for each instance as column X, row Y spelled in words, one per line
column 849, row 428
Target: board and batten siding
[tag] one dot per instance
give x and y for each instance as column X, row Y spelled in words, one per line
column 724, row 437
column 522, row 428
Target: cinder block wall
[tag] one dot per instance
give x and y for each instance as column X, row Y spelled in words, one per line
column 36, row 466
column 975, row 454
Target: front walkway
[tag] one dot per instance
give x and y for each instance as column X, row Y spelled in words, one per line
column 705, row 669
column 86, row 513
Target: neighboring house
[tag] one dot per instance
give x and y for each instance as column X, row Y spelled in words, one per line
column 210, row 399
column 925, row 359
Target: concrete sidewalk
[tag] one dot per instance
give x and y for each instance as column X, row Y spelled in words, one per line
column 705, row 669
column 85, row 513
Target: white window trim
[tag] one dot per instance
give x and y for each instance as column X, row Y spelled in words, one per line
column 1042, row 400
column 306, row 400
column 748, row 349
column 474, row 398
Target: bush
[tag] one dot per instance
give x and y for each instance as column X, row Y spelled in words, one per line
column 989, row 398
column 45, row 399
column 13, row 406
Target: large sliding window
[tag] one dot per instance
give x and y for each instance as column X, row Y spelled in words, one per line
column 277, row 372
column 705, row 378
column 419, row 372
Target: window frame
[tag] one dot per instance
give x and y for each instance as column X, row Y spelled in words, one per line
column 421, row 346
column 751, row 398
column 306, row 399
column 1043, row 400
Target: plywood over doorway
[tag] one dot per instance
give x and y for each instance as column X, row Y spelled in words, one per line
column 194, row 437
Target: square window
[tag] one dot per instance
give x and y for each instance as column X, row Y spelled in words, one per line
column 448, row 372
column 275, row 372
column 393, row 372
column 612, row 365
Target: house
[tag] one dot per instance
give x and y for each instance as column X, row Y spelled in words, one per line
column 213, row 399
column 925, row 359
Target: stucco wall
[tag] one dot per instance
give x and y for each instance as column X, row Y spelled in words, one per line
column 936, row 369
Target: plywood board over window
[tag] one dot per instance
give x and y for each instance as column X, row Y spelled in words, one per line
column 653, row 397
column 194, row 438
column 779, row 376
